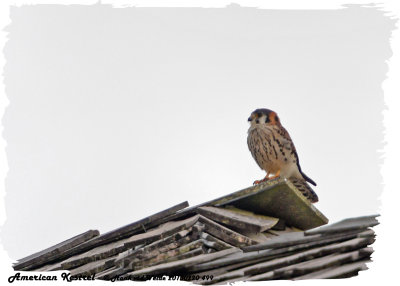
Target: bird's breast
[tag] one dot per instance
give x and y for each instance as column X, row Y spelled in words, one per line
column 269, row 150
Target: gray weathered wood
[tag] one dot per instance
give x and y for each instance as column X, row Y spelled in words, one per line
column 182, row 264
column 342, row 271
column 133, row 228
column 350, row 224
column 239, row 218
column 165, row 256
column 81, row 243
column 160, row 232
column 269, row 254
column 349, row 245
column 270, row 266
column 49, row 267
column 306, row 267
column 222, row 269
column 298, row 238
column 226, row 234
column 277, row 198
column 127, row 256
column 47, row 255
column 93, row 267
column 217, row 244
column 117, row 247
column 304, row 213
column 185, row 255
column 146, row 257
column 110, row 273
column 334, row 259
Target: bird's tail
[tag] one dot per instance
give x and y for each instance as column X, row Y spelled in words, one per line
column 305, row 189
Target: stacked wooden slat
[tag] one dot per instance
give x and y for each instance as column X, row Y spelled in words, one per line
column 223, row 238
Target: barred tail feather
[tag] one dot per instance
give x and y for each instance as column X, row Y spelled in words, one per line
column 305, row 189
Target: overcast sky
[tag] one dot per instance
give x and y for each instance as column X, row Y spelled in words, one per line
column 116, row 114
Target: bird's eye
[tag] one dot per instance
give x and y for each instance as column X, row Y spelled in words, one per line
column 257, row 121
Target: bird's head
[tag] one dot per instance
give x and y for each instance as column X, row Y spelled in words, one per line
column 264, row 116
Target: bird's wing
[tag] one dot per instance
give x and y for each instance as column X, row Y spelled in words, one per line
column 289, row 145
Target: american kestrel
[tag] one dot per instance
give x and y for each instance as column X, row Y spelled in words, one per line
column 274, row 151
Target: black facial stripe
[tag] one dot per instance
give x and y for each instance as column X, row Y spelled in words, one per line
column 267, row 119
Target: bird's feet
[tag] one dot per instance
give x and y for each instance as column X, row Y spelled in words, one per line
column 267, row 178
column 257, row 182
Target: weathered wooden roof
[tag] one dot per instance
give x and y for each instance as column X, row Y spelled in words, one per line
column 259, row 233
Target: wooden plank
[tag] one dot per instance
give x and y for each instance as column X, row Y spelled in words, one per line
column 306, row 267
column 183, row 264
column 283, row 230
column 47, row 255
column 298, row 209
column 125, row 257
column 49, row 267
column 258, row 237
column 230, row 275
column 64, row 252
column 351, row 224
column 162, row 231
column 122, row 232
column 269, row 266
column 263, row 255
column 298, row 238
column 186, row 255
column 147, row 256
column 277, row 198
column 93, row 267
column 282, row 241
column 342, row 271
column 214, row 242
column 239, row 218
column 222, row 269
column 102, row 275
column 117, row 247
column 97, row 253
column 322, row 263
column 225, row 261
column 232, row 281
column 110, row 273
column 133, row 228
column 162, row 257
column 348, row 245
column 226, row 234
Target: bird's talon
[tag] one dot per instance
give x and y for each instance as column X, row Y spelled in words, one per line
column 274, row 177
column 257, row 182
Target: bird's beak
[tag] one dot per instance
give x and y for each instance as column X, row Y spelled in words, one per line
column 250, row 119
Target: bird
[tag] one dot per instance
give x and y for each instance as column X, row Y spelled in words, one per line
column 274, row 151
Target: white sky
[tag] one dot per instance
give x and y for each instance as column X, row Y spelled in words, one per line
column 116, row 114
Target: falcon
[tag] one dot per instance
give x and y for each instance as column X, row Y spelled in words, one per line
column 273, row 150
